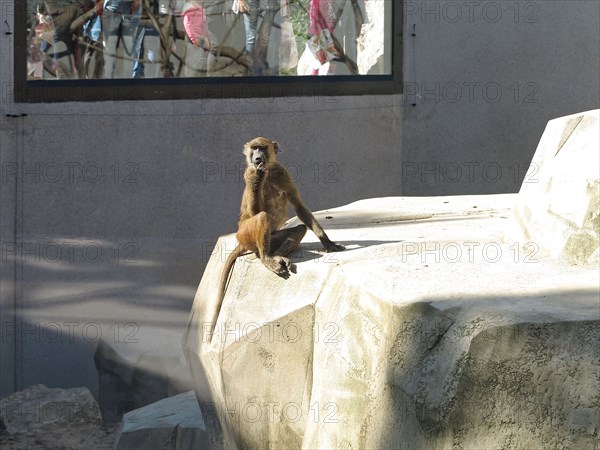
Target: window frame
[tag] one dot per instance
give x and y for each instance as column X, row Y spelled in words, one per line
column 42, row 91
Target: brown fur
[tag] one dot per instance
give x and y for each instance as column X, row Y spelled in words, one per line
column 268, row 189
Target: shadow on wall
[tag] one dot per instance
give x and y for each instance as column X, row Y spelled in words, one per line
column 73, row 293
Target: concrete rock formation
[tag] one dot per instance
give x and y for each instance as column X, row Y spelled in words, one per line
column 39, row 407
column 559, row 201
column 139, row 369
column 437, row 328
column 174, row 423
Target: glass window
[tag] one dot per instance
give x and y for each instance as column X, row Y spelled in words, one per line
column 253, row 43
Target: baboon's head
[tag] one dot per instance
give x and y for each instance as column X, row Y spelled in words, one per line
column 260, row 152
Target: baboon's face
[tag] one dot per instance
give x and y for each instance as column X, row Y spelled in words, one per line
column 260, row 152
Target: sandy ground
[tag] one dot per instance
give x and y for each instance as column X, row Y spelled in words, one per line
column 88, row 437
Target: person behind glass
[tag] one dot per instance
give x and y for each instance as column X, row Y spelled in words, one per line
column 321, row 17
column 93, row 60
column 343, row 19
column 39, row 61
column 147, row 42
column 120, row 20
column 258, row 36
column 199, row 58
column 66, row 44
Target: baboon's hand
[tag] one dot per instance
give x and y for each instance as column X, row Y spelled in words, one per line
column 333, row 247
column 254, row 177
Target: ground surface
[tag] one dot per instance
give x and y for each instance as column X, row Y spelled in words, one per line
column 88, row 437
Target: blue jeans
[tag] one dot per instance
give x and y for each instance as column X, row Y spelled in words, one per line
column 258, row 36
column 120, row 30
column 138, row 66
column 148, row 51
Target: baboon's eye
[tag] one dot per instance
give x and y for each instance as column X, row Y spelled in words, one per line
column 259, row 147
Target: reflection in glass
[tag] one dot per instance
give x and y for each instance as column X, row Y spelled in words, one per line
column 95, row 39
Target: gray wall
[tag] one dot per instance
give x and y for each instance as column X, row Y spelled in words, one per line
column 98, row 249
column 110, row 218
column 486, row 77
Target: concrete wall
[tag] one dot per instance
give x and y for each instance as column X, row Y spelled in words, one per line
column 141, row 193
column 108, row 210
column 485, row 78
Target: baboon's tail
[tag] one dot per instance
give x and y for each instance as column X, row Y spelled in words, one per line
column 225, row 278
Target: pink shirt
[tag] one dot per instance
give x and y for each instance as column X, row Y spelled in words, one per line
column 321, row 15
column 194, row 22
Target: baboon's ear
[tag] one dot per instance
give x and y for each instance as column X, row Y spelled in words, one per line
column 276, row 147
column 244, row 149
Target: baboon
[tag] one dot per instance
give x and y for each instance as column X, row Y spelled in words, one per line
column 263, row 212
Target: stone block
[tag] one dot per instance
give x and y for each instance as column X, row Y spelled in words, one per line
column 136, row 372
column 39, row 407
column 558, row 206
column 173, row 423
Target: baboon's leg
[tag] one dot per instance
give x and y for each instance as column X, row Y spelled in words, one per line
column 254, row 234
column 284, row 242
